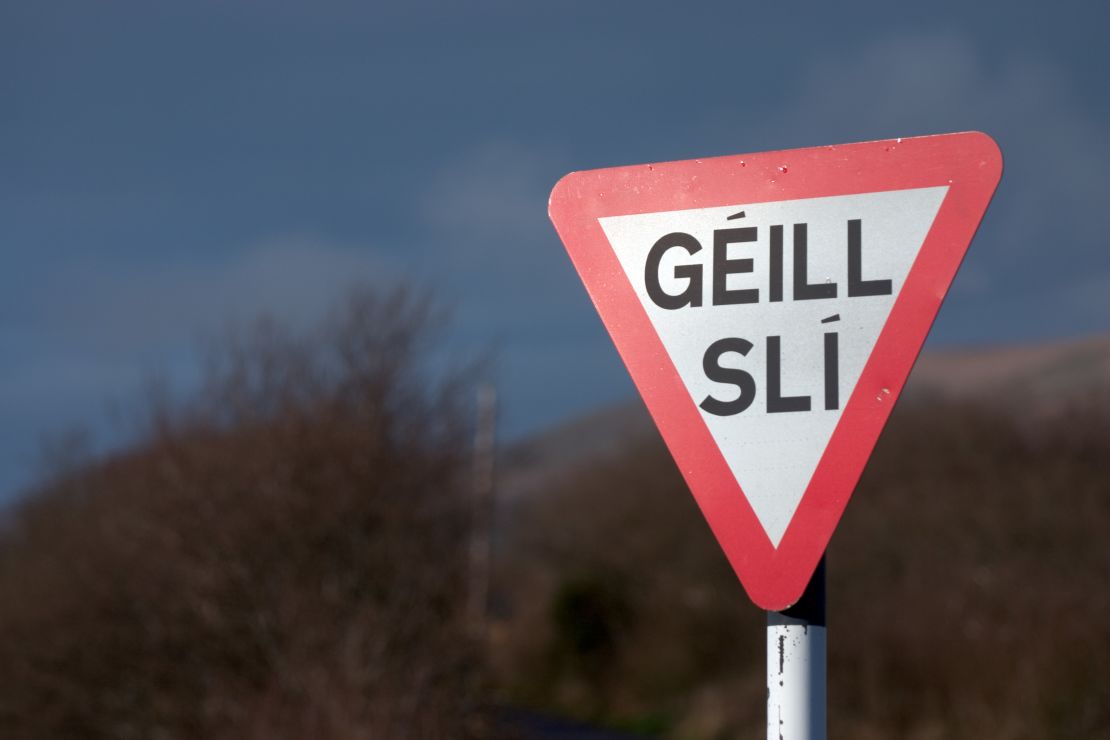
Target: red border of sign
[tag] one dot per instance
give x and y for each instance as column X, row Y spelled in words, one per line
column 969, row 163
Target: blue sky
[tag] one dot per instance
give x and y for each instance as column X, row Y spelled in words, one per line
column 167, row 170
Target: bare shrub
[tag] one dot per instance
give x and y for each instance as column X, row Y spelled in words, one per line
column 624, row 607
column 281, row 557
column 967, row 584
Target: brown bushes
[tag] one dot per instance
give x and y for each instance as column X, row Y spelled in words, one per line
column 967, row 593
column 281, row 557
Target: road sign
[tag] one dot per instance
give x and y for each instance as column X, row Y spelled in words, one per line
column 769, row 308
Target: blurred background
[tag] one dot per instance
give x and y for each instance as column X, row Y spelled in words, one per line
column 309, row 428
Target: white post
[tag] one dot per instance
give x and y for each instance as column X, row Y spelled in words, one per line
column 796, row 666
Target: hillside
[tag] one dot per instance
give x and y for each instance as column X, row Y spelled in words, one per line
column 288, row 554
column 1039, row 377
column 961, row 578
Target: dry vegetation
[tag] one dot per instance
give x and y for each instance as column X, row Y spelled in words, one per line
column 968, row 590
column 284, row 556
column 281, row 557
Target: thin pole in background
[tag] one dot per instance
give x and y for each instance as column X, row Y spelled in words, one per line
column 485, row 441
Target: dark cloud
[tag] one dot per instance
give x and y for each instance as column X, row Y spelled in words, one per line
column 1045, row 234
column 166, row 169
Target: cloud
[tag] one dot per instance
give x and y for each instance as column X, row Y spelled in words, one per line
column 1046, row 230
column 1057, row 153
column 484, row 214
column 130, row 307
column 496, row 192
column 1090, row 296
column 100, row 330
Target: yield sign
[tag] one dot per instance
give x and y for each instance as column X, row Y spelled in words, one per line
column 769, row 308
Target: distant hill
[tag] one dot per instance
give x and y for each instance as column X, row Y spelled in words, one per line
column 1050, row 373
column 1038, row 377
column 962, row 578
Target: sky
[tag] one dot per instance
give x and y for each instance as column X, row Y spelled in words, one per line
column 168, row 169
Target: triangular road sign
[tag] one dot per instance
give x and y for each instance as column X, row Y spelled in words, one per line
column 769, row 308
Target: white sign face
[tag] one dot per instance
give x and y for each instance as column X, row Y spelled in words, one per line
column 769, row 313
column 769, row 307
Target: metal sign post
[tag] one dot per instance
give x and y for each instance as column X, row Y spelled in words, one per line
column 796, row 696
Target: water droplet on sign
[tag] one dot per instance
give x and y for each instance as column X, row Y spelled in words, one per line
column 898, row 140
column 783, row 169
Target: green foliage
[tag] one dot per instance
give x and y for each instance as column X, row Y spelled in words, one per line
column 589, row 614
